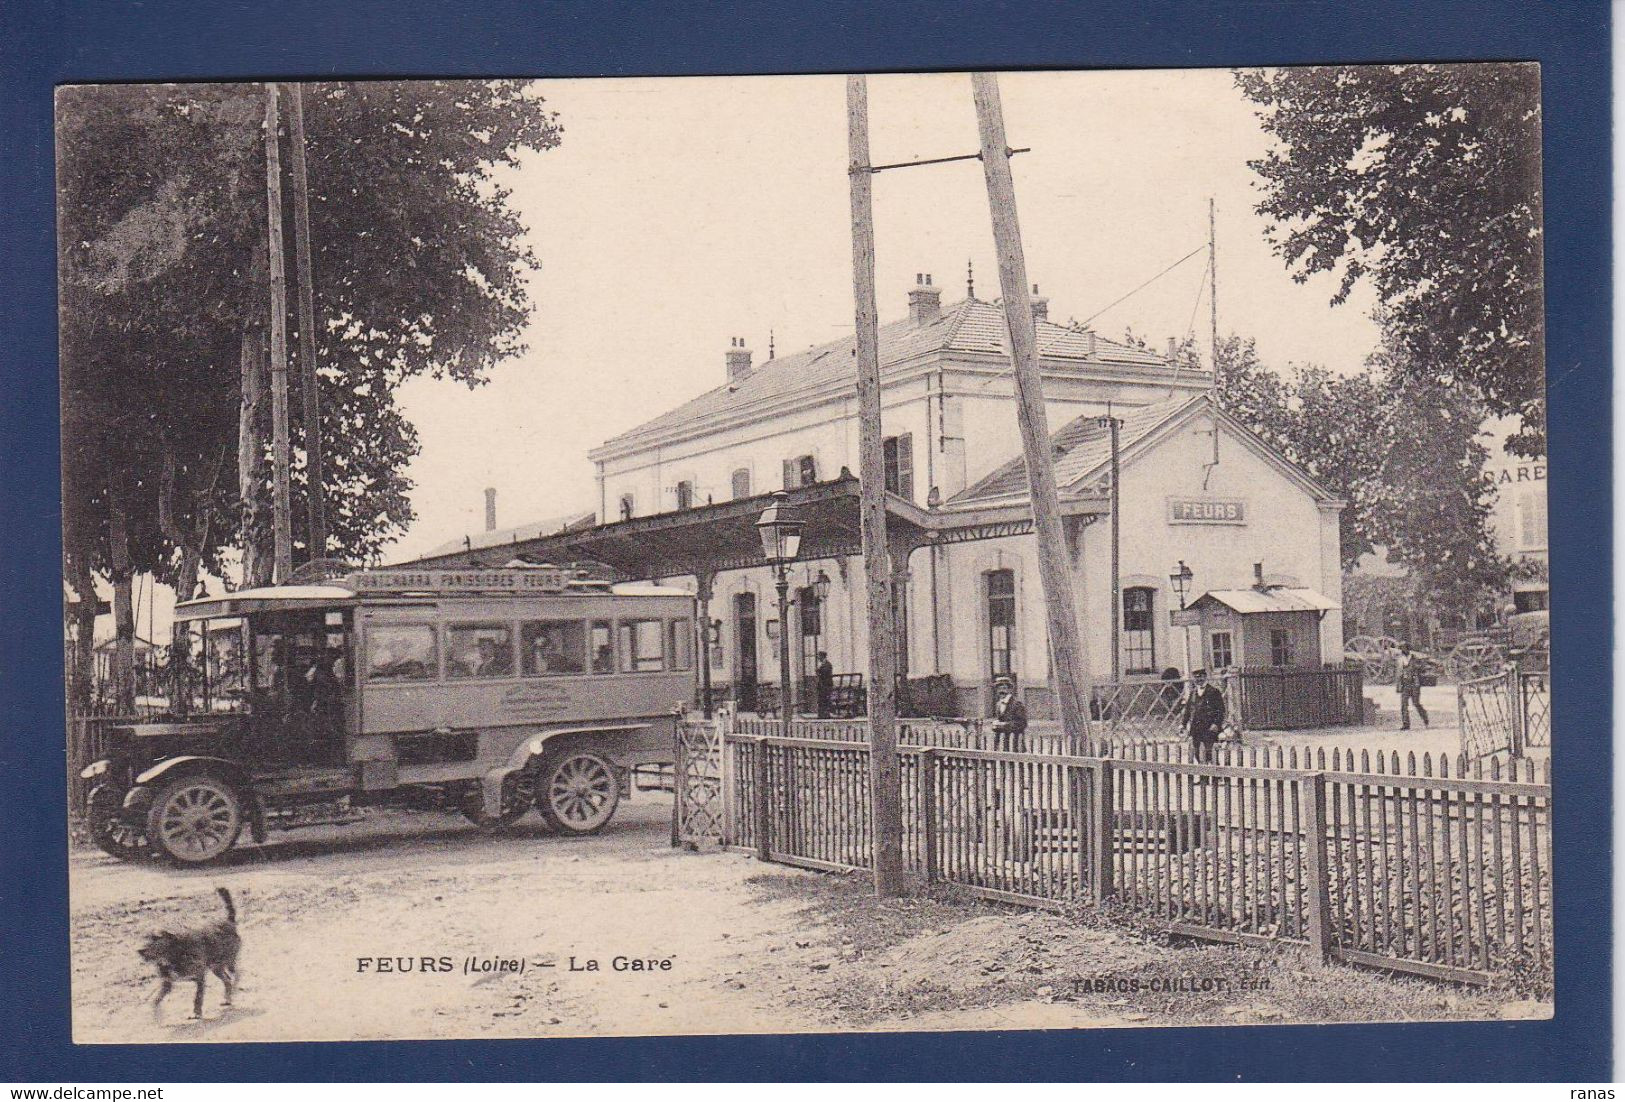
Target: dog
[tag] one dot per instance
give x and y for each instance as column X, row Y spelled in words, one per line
column 193, row 954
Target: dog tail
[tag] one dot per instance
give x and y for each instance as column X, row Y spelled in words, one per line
column 231, row 911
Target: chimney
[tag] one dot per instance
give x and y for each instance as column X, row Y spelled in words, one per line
column 738, row 359
column 490, row 508
column 924, row 300
column 1258, row 575
column 1170, row 349
column 1040, row 306
column 1094, row 345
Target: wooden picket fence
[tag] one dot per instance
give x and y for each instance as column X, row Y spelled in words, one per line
column 1442, row 869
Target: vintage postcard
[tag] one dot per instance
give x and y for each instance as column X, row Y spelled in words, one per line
column 616, row 557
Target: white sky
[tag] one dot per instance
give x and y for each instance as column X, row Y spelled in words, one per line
column 678, row 213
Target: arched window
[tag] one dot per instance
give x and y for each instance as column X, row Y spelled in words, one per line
column 741, row 483
column 1139, row 630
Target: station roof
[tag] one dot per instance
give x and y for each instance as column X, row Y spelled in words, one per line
column 970, row 327
column 1270, row 599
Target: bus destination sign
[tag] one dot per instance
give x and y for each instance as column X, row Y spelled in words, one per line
column 540, row 579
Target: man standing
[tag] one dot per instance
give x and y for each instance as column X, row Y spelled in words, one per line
column 1009, row 718
column 826, row 684
column 1407, row 667
column 1204, row 715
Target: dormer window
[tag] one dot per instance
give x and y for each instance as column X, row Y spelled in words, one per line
column 626, row 506
column 741, row 483
column 685, row 495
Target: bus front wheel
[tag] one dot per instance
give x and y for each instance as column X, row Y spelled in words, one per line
column 194, row 819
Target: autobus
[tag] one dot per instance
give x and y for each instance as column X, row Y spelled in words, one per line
column 484, row 692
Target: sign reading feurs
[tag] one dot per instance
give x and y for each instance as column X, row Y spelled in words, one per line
column 1206, row 510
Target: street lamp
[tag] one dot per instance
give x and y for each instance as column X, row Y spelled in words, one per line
column 780, row 529
column 1181, row 578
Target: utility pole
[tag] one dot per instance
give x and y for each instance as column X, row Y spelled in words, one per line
column 1068, row 656
column 283, row 563
column 885, row 777
column 316, row 539
column 1113, row 424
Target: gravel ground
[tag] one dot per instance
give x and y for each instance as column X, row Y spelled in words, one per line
column 752, row 948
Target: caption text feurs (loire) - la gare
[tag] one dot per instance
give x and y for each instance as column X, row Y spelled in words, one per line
column 476, row 965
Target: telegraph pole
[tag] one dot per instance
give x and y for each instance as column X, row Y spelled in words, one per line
column 283, row 563
column 1067, row 653
column 1113, row 424
column 885, row 778
column 316, row 540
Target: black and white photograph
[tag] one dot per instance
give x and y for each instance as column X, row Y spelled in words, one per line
column 954, row 551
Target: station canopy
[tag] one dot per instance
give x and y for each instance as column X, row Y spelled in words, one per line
column 723, row 536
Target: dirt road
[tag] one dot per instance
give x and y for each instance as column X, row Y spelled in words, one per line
column 337, row 923
column 322, row 916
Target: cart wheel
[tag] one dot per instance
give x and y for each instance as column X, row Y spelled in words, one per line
column 194, row 819
column 518, row 797
column 109, row 830
column 579, row 792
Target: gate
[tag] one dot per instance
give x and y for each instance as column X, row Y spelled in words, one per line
column 697, row 778
column 1506, row 712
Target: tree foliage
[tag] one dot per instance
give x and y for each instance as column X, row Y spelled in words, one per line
column 1424, row 180
column 1405, row 453
column 419, row 268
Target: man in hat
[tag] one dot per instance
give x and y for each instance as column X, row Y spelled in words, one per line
column 1408, row 680
column 1204, row 715
column 1009, row 718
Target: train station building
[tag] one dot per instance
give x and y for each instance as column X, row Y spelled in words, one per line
column 678, row 498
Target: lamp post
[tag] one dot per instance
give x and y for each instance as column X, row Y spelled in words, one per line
column 780, row 529
column 1180, row 577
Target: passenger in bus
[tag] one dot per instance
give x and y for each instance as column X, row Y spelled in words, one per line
column 603, row 660
column 493, row 661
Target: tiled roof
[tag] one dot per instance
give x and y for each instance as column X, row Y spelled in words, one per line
column 970, row 326
column 1078, row 447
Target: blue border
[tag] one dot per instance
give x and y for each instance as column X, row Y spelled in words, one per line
column 44, row 43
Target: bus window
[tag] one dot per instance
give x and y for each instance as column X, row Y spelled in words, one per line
column 552, row 646
column 603, row 651
column 642, row 648
column 680, row 635
column 401, row 652
column 479, row 650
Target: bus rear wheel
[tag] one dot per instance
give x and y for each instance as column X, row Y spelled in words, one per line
column 578, row 793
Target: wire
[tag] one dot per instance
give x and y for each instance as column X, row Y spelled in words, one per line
column 1200, row 248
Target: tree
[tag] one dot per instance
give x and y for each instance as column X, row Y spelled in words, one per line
column 1404, row 452
column 1324, row 423
column 1424, row 180
column 420, row 268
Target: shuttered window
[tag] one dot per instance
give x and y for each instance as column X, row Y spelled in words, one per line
column 899, row 453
